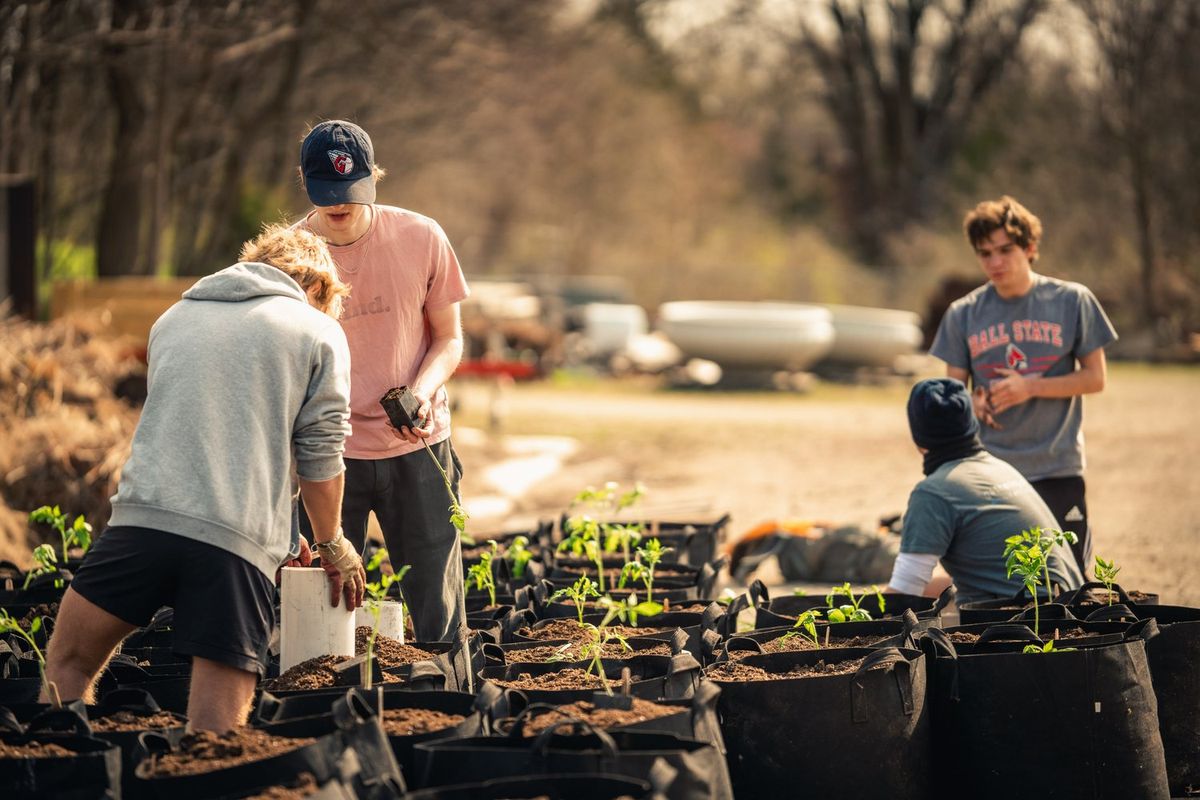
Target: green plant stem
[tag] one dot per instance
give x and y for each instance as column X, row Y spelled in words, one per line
column 446, row 480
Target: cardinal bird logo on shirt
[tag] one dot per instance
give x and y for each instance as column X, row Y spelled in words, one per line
column 343, row 162
column 1015, row 358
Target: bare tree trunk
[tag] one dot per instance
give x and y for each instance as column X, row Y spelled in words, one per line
column 118, row 237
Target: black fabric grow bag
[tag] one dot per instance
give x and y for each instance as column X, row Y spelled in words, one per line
column 687, row 582
column 890, row 633
column 694, row 542
column 698, row 771
column 652, row 677
column 1082, row 602
column 550, row 787
column 696, row 717
column 864, row 734
column 782, row 611
column 1070, row 724
column 1174, row 657
column 357, row 748
column 694, row 624
column 94, row 771
column 302, row 714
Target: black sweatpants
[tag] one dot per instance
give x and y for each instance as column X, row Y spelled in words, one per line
column 1067, row 500
column 409, row 499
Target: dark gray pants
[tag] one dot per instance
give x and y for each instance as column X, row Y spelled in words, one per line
column 1067, row 500
column 410, row 501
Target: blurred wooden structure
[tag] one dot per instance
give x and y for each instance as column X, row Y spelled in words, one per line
column 131, row 304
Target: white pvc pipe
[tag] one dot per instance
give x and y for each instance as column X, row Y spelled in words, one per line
column 391, row 619
column 308, row 625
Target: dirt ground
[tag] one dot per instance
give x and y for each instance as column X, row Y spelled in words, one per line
column 843, row 453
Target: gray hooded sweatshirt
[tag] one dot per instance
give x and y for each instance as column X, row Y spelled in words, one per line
column 248, row 384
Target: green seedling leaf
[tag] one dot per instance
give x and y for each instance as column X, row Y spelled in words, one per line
column 1106, row 573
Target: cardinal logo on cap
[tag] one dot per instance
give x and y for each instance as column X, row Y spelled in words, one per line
column 343, row 162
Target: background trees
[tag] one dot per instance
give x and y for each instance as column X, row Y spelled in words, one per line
column 822, row 149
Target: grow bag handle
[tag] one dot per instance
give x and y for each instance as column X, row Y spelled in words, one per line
column 268, row 707
column 542, row 743
column 901, row 672
column 151, row 743
column 709, row 641
column 1056, row 611
column 938, row 644
column 353, row 708
column 1144, row 629
column 944, row 599
column 1118, row 612
column 130, row 698
column 9, row 722
column 759, row 596
column 1074, row 597
column 493, row 655
column 727, row 624
column 516, row 724
column 522, row 597
column 712, row 616
column 71, row 718
column 1009, row 633
column 742, row 643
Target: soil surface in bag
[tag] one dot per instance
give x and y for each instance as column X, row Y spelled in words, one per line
column 388, row 651
column 1057, row 634
column 571, row 653
column 40, row 610
column 411, row 721
column 802, row 642
column 569, row 630
column 737, row 671
column 316, row 673
column 599, row 717
column 129, row 721
column 319, row 673
column 563, row 679
column 305, row 785
column 35, row 750
column 204, row 751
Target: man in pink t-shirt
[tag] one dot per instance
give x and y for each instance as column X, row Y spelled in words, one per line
column 402, row 322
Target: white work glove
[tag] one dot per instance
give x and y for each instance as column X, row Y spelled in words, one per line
column 344, row 567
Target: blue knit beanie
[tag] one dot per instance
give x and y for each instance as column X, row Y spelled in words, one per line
column 940, row 414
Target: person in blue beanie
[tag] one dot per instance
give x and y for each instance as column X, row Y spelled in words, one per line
column 967, row 505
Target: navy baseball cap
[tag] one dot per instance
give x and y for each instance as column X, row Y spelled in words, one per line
column 336, row 160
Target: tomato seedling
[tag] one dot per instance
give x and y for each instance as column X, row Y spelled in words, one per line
column 79, row 534
column 482, row 575
column 377, row 592
column 1106, row 573
column 1027, row 555
column 642, row 568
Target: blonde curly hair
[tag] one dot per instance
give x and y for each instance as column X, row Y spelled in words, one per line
column 304, row 257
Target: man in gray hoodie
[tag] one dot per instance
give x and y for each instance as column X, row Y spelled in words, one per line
column 249, row 383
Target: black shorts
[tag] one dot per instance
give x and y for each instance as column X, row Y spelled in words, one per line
column 224, row 605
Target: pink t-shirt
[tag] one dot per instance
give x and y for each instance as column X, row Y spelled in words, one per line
column 402, row 266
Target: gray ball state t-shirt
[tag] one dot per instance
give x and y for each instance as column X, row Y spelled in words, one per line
column 1041, row 333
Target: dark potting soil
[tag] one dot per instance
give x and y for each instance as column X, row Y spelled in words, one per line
column 410, row 721
column 801, row 642
column 963, row 637
column 569, row 629
column 204, row 751
column 305, row 785
column 40, row 610
column 670, row 607
column 550, row 652
column 1101, row 597
column 129, row 721
column 34, row 750
column 731, row 671
column 388, row 651
column 599, row 717
column 316, row 673
column 563, row 679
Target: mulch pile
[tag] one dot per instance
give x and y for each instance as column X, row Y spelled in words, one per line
column 67, row 422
